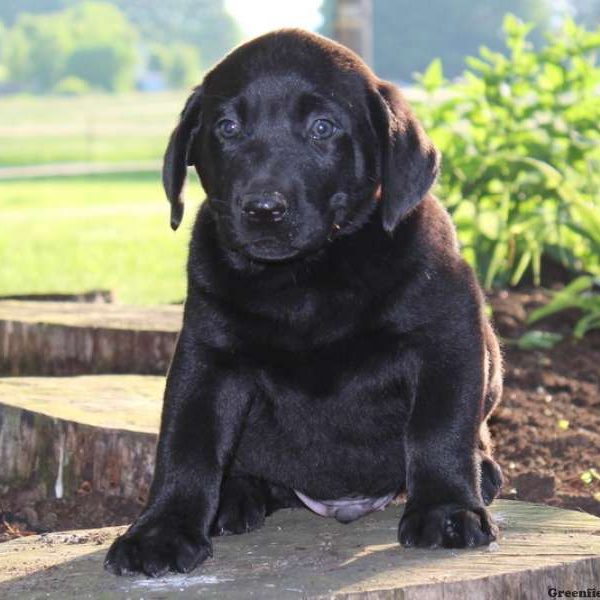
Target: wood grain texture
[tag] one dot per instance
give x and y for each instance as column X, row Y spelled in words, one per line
column 300, row 555
column 70, row 338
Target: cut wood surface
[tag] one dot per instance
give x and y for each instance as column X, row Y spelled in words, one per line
column 67, row 338
column 300, row 555
column 59, row 433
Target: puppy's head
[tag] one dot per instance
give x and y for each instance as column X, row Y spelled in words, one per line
column 297, row 142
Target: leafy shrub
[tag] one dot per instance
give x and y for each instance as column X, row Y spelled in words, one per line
column 521, row 145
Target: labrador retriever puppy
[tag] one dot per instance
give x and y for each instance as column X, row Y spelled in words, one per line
column 334, row 352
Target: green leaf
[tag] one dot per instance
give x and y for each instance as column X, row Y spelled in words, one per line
column 521, row 267
column 514, row 27
column 433, row 78
column 587, row 323
column 568, row 297
column 553, row 176
column 535, row 339
column 498, row 256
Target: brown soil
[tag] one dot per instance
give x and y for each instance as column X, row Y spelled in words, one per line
column 546, row 430
column 20, row 516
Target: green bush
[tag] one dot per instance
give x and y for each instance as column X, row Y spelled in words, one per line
column 521, row 144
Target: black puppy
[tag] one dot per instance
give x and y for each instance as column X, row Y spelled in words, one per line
column 334, row 349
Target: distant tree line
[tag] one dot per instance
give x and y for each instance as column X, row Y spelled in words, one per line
column 408, row 35
column 71, row 46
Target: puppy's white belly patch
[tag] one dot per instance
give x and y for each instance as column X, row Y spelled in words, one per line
column 345, row 510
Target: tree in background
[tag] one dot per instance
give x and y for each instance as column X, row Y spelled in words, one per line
column 97, row 43
column 42, row 49
column 36, row 50
column 184, row 67
column 179, row 63
column 409, row 35
column 201, row 23
column 103, row 56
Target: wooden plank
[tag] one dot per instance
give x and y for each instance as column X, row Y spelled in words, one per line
column 65, row 338
column 300, row 555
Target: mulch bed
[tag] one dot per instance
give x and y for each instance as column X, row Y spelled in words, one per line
column 546, row 431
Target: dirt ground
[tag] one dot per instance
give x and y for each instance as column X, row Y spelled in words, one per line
column 546, row 430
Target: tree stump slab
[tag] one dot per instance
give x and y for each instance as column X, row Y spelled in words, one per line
column 59, row 435
column 69, row 338
column 300, row 555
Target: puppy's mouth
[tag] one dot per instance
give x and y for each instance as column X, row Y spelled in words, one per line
column 269, row 249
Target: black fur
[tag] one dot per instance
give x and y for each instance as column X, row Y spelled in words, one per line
column 341, row 350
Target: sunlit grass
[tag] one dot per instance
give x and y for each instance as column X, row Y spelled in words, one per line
column 42, row 129
column 78, row 233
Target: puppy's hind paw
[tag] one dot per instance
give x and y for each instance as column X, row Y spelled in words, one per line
column 242, row 508
column 491, row 480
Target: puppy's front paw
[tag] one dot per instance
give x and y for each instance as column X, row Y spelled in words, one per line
column 446, row 525
column 156, row 547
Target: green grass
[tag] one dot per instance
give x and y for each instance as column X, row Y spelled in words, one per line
column 106, row 231
column 95, row 127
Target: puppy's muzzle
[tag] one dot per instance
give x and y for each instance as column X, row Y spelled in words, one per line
column 264, row 207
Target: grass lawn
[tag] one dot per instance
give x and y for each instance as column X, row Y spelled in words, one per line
column 95, row 127
column 73, row 234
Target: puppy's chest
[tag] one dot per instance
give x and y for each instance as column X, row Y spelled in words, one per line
column 361, row 363
column 304, row 321
column 332, row 425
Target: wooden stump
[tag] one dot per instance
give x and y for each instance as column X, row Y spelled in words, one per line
column 300, row 555
column 65, row 338
column 60, row 433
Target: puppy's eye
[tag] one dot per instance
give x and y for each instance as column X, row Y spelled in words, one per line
column 322, row 129
column 228, row 128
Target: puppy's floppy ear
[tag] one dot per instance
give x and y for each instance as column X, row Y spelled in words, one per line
column 177, row 156
column 410, row 162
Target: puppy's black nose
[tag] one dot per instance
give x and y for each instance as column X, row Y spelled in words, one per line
column 267, row 207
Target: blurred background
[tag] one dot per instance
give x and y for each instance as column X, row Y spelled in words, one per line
column 509, row 90
column 89, row 91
